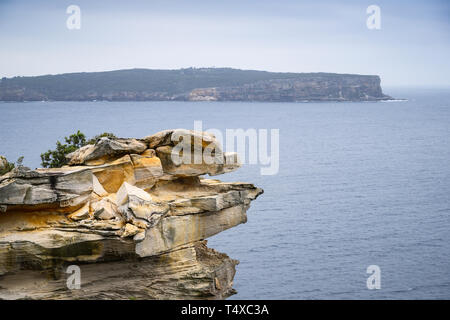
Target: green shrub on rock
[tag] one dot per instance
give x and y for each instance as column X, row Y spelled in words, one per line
column 6, row 166
column 57, row 158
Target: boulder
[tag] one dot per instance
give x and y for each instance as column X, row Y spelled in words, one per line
column 228, row 162
column 173, row 136
column 105, row 209
column 191, row 153
column 128, row 193
column 104, row 150
column 130, row 230
column 137, row 205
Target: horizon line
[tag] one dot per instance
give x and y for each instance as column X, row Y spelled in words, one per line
column 185, row 68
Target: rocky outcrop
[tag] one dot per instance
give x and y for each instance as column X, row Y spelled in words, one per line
column 132, row 218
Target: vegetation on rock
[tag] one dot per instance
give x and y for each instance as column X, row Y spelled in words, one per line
column 6, row 166
column 57, row 158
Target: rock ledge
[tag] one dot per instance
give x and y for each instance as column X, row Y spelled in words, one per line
column 131, row 218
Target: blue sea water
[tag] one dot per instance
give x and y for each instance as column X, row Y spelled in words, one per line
column 359, row 184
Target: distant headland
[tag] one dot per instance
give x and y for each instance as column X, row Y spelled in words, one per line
column 193, row 84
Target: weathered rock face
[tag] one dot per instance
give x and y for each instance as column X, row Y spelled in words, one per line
column 314, row 87
column 129, row 216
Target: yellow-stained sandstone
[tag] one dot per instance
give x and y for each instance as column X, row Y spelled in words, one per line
column 134, row 221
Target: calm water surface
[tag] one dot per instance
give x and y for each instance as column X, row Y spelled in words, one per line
column 359, row 184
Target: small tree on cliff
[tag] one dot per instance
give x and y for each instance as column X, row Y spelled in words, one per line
column 57, row 158
column 6, row 166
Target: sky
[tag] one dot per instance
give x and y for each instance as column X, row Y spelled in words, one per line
column 411, row 48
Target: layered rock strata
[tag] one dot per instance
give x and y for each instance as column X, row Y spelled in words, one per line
column 309, row 87
column 130, row 217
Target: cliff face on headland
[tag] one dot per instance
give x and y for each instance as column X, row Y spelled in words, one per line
column 131, row 219
column 204, row 84
column 307, row 88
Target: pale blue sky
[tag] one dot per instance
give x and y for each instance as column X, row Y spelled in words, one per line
column 412, row 47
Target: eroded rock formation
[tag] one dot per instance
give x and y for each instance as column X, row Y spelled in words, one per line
column 134, row 222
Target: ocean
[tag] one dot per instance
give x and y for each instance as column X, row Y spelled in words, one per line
column 359, row 184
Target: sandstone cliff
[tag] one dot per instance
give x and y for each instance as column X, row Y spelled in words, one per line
column 308, row 87
column 193, row 84
column 134, row 222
